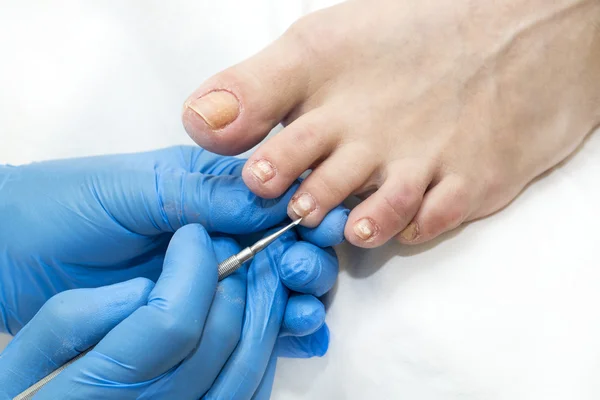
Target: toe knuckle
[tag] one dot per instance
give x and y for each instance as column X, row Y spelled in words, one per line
column 403, row 202
column 330, row 190
column 310, row 133
column 455, row 208
column 337, row 191
column 397, row 206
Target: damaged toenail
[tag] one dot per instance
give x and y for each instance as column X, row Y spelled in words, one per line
column 218, row 108
column 262, row 170
column 365, row 229
column 303, row 204
column 411, row 232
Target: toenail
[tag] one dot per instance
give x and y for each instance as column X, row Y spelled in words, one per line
column 365, row 228
column 303, row 204
column 218, row 108
column 411, row 232
column 262, row 170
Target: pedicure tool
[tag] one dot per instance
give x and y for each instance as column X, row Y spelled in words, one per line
column 226, row 268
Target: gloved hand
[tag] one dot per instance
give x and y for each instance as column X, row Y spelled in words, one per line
column 163, row 341
column 96, row 221
column 287, row 263
column 166, row 341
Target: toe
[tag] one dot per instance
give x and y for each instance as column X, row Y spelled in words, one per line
column 444, row 208
column 390, row 209
column 236, row 109
column 340, row 175
column 275, row 165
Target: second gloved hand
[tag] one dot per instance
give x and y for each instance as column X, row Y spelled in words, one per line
column 163, row 341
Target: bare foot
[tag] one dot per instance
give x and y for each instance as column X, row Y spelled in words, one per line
column 436, row 112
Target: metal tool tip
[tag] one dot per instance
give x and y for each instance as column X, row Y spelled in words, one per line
column 264, row 242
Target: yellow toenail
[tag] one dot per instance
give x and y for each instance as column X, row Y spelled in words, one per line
column 365, row 229
column 411, row 232
column 303, row 204
column 263, row 170
column 218, row 109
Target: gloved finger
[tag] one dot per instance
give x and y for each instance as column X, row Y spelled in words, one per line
column 304, row 315
column 220, row 203
column 313, row 345
column 265, row 305
column 306, row 268
column 68, row 324
column 194, row 376
column 157, row 336
column 330, row 232
column 263, row 392
column 201, row 160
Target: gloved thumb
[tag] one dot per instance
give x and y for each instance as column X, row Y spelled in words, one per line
column 68, row 324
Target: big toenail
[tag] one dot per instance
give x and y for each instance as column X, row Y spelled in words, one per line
column 218, row 108
column 365, row 228
column 262, row 170
column 303, row 204
column 411, row 232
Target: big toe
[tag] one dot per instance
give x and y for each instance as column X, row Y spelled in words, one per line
column 235, row 109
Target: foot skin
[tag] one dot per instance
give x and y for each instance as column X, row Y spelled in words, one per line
column 435, row 114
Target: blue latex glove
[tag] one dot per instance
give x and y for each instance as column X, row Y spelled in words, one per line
column 102, row 216
column 166, row 341
column 304, row 267
column 163, row 341
column 95, row 221
column 100, row 220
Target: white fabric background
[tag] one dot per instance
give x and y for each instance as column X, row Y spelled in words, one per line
column 506, row 308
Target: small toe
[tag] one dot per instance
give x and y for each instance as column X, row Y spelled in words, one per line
column 444, row 208
column 277, row 163
column 390, row 209
column 336, row 178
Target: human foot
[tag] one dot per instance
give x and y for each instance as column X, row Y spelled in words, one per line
column 439, row 112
